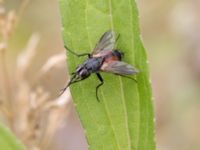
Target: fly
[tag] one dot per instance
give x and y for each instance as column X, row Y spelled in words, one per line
column 104, row 58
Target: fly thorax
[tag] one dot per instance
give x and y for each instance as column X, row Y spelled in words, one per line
column 93, row 64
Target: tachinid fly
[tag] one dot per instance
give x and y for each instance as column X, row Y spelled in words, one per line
column 104, row 58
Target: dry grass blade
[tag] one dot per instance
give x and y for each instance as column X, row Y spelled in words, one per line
column 32, row 112
column 54, row 61
column 25, row 59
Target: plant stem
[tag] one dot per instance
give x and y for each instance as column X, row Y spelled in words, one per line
column 7, row 88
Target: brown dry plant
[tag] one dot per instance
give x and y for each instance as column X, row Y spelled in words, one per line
column 28, row 108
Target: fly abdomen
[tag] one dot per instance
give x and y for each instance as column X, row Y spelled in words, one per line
column 118, row 54
column 114, row 55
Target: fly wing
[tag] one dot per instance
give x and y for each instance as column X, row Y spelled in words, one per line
column 106, row 42
column 119, row 67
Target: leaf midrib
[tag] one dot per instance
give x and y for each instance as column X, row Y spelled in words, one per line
column 121, row 85
column 103, row 96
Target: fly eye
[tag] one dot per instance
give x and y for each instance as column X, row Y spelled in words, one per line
column 84, row 73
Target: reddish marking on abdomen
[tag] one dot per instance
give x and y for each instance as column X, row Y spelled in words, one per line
column 108, row 56
column 111, row 58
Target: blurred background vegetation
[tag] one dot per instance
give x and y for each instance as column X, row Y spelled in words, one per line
column 33, row 70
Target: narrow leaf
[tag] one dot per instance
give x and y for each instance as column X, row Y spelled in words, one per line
column 123, row 119
column 8, row 141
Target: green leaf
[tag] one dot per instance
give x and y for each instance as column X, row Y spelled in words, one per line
column 123, row 119
column 8, row 141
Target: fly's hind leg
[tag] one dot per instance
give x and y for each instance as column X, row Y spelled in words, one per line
column 78, row 55
column 100, row 79
column 127, row 77
column 117, row 38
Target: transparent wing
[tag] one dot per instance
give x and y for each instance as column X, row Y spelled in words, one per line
column 106, row 42
column 119, row 67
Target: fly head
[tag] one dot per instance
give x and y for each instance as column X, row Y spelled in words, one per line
column 82, row 72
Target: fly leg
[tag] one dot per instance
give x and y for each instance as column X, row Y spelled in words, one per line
column 73, row 80
column 100, row 79
column 127, row 77
column 78, row 55
column 117, row 37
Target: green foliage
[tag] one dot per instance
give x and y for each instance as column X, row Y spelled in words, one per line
column 124, row 119
column 8, row 141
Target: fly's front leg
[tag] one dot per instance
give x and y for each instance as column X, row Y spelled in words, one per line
column 78, row 55
column 100, row 79
column 73, row 80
